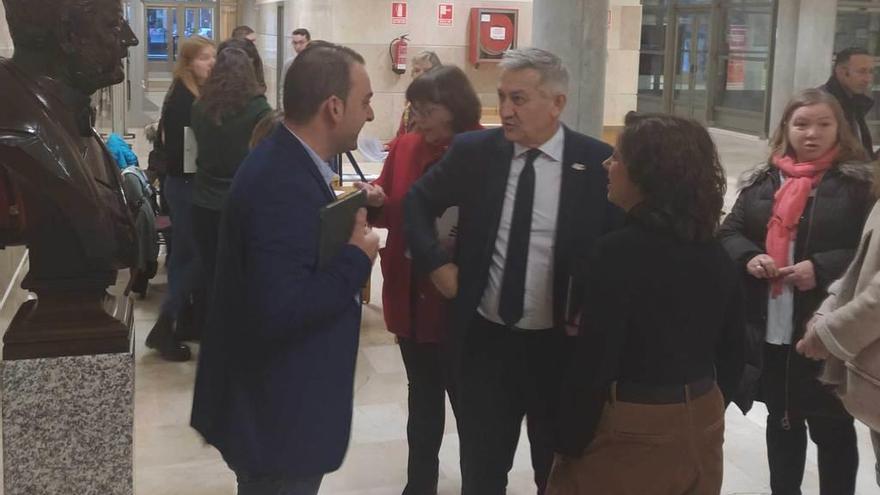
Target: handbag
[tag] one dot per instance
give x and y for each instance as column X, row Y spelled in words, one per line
column 157, row 160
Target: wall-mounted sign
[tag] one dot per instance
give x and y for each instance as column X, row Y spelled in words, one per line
column 398, row 12
column 444, row 14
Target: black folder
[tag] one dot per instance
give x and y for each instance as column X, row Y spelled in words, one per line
column 337, row 221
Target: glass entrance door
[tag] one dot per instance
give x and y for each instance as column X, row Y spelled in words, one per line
column 161, row 38
column 167, row 25
column 690, row 82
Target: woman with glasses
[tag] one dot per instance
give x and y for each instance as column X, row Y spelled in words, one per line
column 443, row 104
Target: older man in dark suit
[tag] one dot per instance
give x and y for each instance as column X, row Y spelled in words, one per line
column 276, row 371
column 532, row 200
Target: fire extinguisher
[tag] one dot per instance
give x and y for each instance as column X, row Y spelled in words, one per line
column 397, row 49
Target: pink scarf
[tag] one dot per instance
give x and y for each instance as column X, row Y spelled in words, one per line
column 789, row 204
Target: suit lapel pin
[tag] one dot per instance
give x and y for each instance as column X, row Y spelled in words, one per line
column 580, row 167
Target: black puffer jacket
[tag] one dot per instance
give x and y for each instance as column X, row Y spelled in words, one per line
column 828, row 234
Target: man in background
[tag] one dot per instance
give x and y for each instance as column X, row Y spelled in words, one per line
column 851, row 83
column 299, row 40
column 244, row 33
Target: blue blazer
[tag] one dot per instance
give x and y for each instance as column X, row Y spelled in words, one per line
column 276, row 369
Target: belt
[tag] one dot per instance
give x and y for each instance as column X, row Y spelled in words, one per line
column 641, row 393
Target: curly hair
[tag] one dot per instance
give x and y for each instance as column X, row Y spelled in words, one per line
column 675, row 164
column 231, row 86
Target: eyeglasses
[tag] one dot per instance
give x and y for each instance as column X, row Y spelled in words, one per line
column 423, row 112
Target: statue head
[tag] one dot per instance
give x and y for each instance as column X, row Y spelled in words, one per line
column 87, row 38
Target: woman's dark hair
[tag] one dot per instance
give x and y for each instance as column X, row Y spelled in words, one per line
column 675, row 164
column 248, row 47
column 231, row 86
column 448, row 86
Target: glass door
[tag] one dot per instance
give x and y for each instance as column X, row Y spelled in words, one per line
column 690, row 78
column 166, row 25
column 198, row 21
column 161, row 34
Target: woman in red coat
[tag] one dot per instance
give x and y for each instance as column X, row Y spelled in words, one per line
column 443, row 104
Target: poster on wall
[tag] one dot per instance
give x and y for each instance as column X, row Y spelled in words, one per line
column 398, row 12
column 736, row 65
column 444, row 14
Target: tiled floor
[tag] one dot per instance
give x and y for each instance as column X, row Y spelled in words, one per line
column 170, row 458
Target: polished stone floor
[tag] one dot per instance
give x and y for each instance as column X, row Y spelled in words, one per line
column 171, row 459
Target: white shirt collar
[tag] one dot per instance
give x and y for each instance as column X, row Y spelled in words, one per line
column 323, row 167
column 553, row 148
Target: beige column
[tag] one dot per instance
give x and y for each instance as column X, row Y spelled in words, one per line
column 577, row 31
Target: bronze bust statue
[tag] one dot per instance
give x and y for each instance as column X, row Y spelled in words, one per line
column 78, row 229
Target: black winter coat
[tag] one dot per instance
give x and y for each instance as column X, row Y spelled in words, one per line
column 855, row 108
column 828, row 234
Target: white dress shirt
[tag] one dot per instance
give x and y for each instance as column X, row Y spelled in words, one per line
column 538, row 300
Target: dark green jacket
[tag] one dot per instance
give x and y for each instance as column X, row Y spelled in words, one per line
column 222, row 149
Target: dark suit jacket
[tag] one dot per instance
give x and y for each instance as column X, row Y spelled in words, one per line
column 276, row 368
column 473, row 176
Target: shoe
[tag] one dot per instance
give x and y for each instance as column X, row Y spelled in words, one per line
column 190, row 319
column 161, row 338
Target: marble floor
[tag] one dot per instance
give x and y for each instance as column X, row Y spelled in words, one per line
column 171, row 459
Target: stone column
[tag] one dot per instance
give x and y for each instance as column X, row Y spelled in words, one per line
column 577, row 31
column 314, row 15
column 137, row 60
column 804, row 49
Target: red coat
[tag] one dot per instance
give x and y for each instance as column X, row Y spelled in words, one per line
column 413, row 307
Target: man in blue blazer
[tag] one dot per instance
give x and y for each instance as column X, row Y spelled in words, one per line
column 276, row 369
column 532, row 200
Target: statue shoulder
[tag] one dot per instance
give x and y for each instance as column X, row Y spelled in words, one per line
column 20, row 101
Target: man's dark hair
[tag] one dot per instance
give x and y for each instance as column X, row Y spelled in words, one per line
column 844, row 55
column 322, row 70
column 302, row 32
column 241, row 31
column 448, row 86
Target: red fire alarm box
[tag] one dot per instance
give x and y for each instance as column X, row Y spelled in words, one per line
column 491, row 33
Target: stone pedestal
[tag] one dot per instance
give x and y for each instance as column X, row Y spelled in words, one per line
column 68, row 425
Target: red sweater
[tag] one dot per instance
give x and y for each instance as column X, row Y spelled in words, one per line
column 413, row 307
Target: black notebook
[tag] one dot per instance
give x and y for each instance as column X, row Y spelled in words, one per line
column 337, row 220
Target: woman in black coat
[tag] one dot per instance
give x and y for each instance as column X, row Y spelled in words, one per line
column 793, row 231
column 661, row 337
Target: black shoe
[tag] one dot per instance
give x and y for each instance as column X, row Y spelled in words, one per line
column 189, row 326
column 162, row 339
